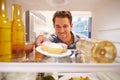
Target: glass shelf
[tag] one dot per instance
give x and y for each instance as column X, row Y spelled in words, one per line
column 58, row 67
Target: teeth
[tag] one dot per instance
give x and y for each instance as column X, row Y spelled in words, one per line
column 61, row 34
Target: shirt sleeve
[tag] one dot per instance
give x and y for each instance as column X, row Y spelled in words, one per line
column 51, row 38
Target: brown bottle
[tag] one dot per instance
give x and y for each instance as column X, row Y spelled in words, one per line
column 5, row 34
column 18, row 33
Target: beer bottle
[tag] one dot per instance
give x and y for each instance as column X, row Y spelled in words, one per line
column 18, row 33
column 5, row 34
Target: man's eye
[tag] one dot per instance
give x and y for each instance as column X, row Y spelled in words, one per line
column 57, row 26
column 65, row 26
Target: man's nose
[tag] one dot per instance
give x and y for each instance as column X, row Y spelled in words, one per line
column 61, row 29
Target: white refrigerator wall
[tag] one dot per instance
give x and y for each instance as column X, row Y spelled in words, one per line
column 106, row 23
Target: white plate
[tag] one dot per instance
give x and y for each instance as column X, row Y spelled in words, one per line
column 68, row 52
column 67, row 76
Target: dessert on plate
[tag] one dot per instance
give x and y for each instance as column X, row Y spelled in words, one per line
column 54, row 48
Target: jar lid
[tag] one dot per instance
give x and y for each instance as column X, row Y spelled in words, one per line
column 103, row 52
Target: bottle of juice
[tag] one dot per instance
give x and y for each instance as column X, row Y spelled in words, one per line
column 18, row 33
column 5, row 34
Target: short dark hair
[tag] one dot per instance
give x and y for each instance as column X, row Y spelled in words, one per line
column 63, row 14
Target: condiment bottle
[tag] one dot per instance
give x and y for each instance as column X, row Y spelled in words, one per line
column 18, row 33
column 5, row 34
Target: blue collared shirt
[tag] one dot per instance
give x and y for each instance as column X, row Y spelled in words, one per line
column 54, row 38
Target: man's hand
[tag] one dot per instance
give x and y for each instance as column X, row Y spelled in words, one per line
column 40, row 39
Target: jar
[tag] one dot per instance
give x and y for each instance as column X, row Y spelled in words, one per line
column 98, row 51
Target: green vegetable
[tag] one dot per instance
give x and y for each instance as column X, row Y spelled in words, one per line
column 48, row 77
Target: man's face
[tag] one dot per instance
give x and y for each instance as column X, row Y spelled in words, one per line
column 62, row 27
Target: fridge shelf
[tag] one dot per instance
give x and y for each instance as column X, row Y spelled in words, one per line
column 58, row 67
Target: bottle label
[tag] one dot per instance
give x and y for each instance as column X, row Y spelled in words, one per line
column 5, row 35
column 18, row 36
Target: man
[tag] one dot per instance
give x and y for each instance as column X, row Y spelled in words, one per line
column 62, row 22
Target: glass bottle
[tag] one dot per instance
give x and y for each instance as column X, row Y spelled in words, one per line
column 18, row 33
column 97, row 51
column 5, row 34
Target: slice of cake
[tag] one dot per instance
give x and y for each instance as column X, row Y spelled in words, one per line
column 64, row 46
column 45, row 45
column 54, row 48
